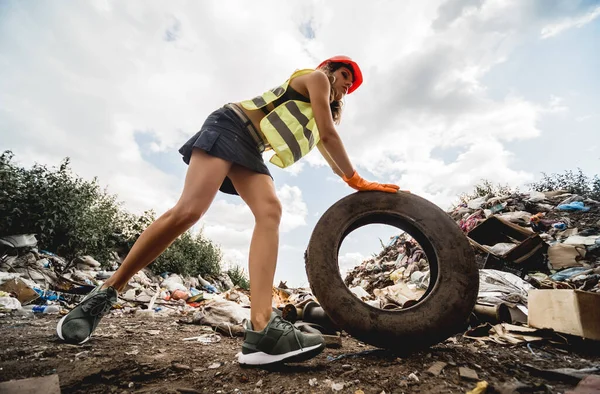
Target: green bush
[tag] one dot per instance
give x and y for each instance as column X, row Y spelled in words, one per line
column 238, row 277
column 487, row 187
column 577, row 183
column 189, row 255
column 72, row 217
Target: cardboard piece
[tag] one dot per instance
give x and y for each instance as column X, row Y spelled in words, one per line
column 43, row 384
column 510, row 334
column 567, row 311
column 494, row 230
column 24, row 293
column 589, row 385
column 565, row 255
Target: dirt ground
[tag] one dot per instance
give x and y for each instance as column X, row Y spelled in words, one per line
column 130, row 355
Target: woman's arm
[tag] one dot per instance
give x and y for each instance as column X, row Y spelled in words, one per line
column 318, row 88
column 329, row 160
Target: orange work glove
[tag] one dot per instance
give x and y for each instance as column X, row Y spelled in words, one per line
column 358, row 183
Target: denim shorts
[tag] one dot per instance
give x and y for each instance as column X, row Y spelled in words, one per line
column 224, row 135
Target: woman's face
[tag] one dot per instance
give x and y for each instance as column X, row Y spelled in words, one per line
column 343, row 81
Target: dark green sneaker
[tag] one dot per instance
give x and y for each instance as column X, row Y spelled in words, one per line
column 279, row 342
column 79, row 324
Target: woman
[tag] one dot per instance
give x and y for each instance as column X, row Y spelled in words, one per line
column 226, row 155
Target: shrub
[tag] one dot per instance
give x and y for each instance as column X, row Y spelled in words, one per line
column 72, row 217
column 487, row 187
column 577, row 183
column 69, row 215
column 189, row 255
column 238, row 277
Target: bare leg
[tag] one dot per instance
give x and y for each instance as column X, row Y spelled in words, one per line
column 258, row 191
column 203, row 178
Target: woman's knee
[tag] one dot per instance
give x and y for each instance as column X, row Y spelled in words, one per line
column 186, row 214
column 269, row 212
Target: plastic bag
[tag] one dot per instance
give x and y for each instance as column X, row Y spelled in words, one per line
column 573, row 206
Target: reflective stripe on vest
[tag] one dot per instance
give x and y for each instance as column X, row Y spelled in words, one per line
column 290, row 129
column 273, row 94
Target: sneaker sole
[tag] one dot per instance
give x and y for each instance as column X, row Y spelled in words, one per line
column 260, row 358
column 59, row 331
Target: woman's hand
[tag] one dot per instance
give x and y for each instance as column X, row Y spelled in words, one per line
column 358, row 183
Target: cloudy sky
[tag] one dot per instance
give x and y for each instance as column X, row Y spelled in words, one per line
column 455, row 91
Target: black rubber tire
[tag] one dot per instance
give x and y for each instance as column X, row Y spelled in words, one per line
column 454, row 283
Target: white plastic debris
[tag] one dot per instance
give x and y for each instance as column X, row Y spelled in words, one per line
column 360, row 292
column 477, row 202
column 10, row 303
column 536, row 196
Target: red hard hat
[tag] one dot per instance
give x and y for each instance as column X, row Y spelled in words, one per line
column 358, row 78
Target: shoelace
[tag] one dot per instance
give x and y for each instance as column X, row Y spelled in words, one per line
column 279, row 321
column 98, row 305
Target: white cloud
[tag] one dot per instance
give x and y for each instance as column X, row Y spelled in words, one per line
column 583, row 118
column 348, row 261
column 557, row 104
column 294, row 208
column 234, row 257
column 108, row 73
column 295, row 169
column 569, row 23
column 231, row 225
column 225, row 214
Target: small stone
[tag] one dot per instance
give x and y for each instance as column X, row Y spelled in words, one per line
column 243, row 379
column 359, row 391
column 181, row 367
column 413, row 378
column 467, row 373
column 130, row 385
column 153, row 332
column 347, row 367
column 348, row 373
column 259, row 383
column 312, row 382
column 333, row 341
column 337, row 386
column 436, row 368
column 214, row 365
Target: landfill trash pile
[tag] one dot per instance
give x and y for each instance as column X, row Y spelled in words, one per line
column 34, row 281
column 397, row 277
column 523, row 242
column 552, row 239
column 37, row 281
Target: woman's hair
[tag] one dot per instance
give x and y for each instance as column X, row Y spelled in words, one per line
column 335, row 105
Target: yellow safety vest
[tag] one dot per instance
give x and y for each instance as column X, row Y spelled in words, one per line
column 290, row 128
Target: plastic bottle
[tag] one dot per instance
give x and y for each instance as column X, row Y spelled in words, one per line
column 42, row 308
column 560, row 226
column 47, row 295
